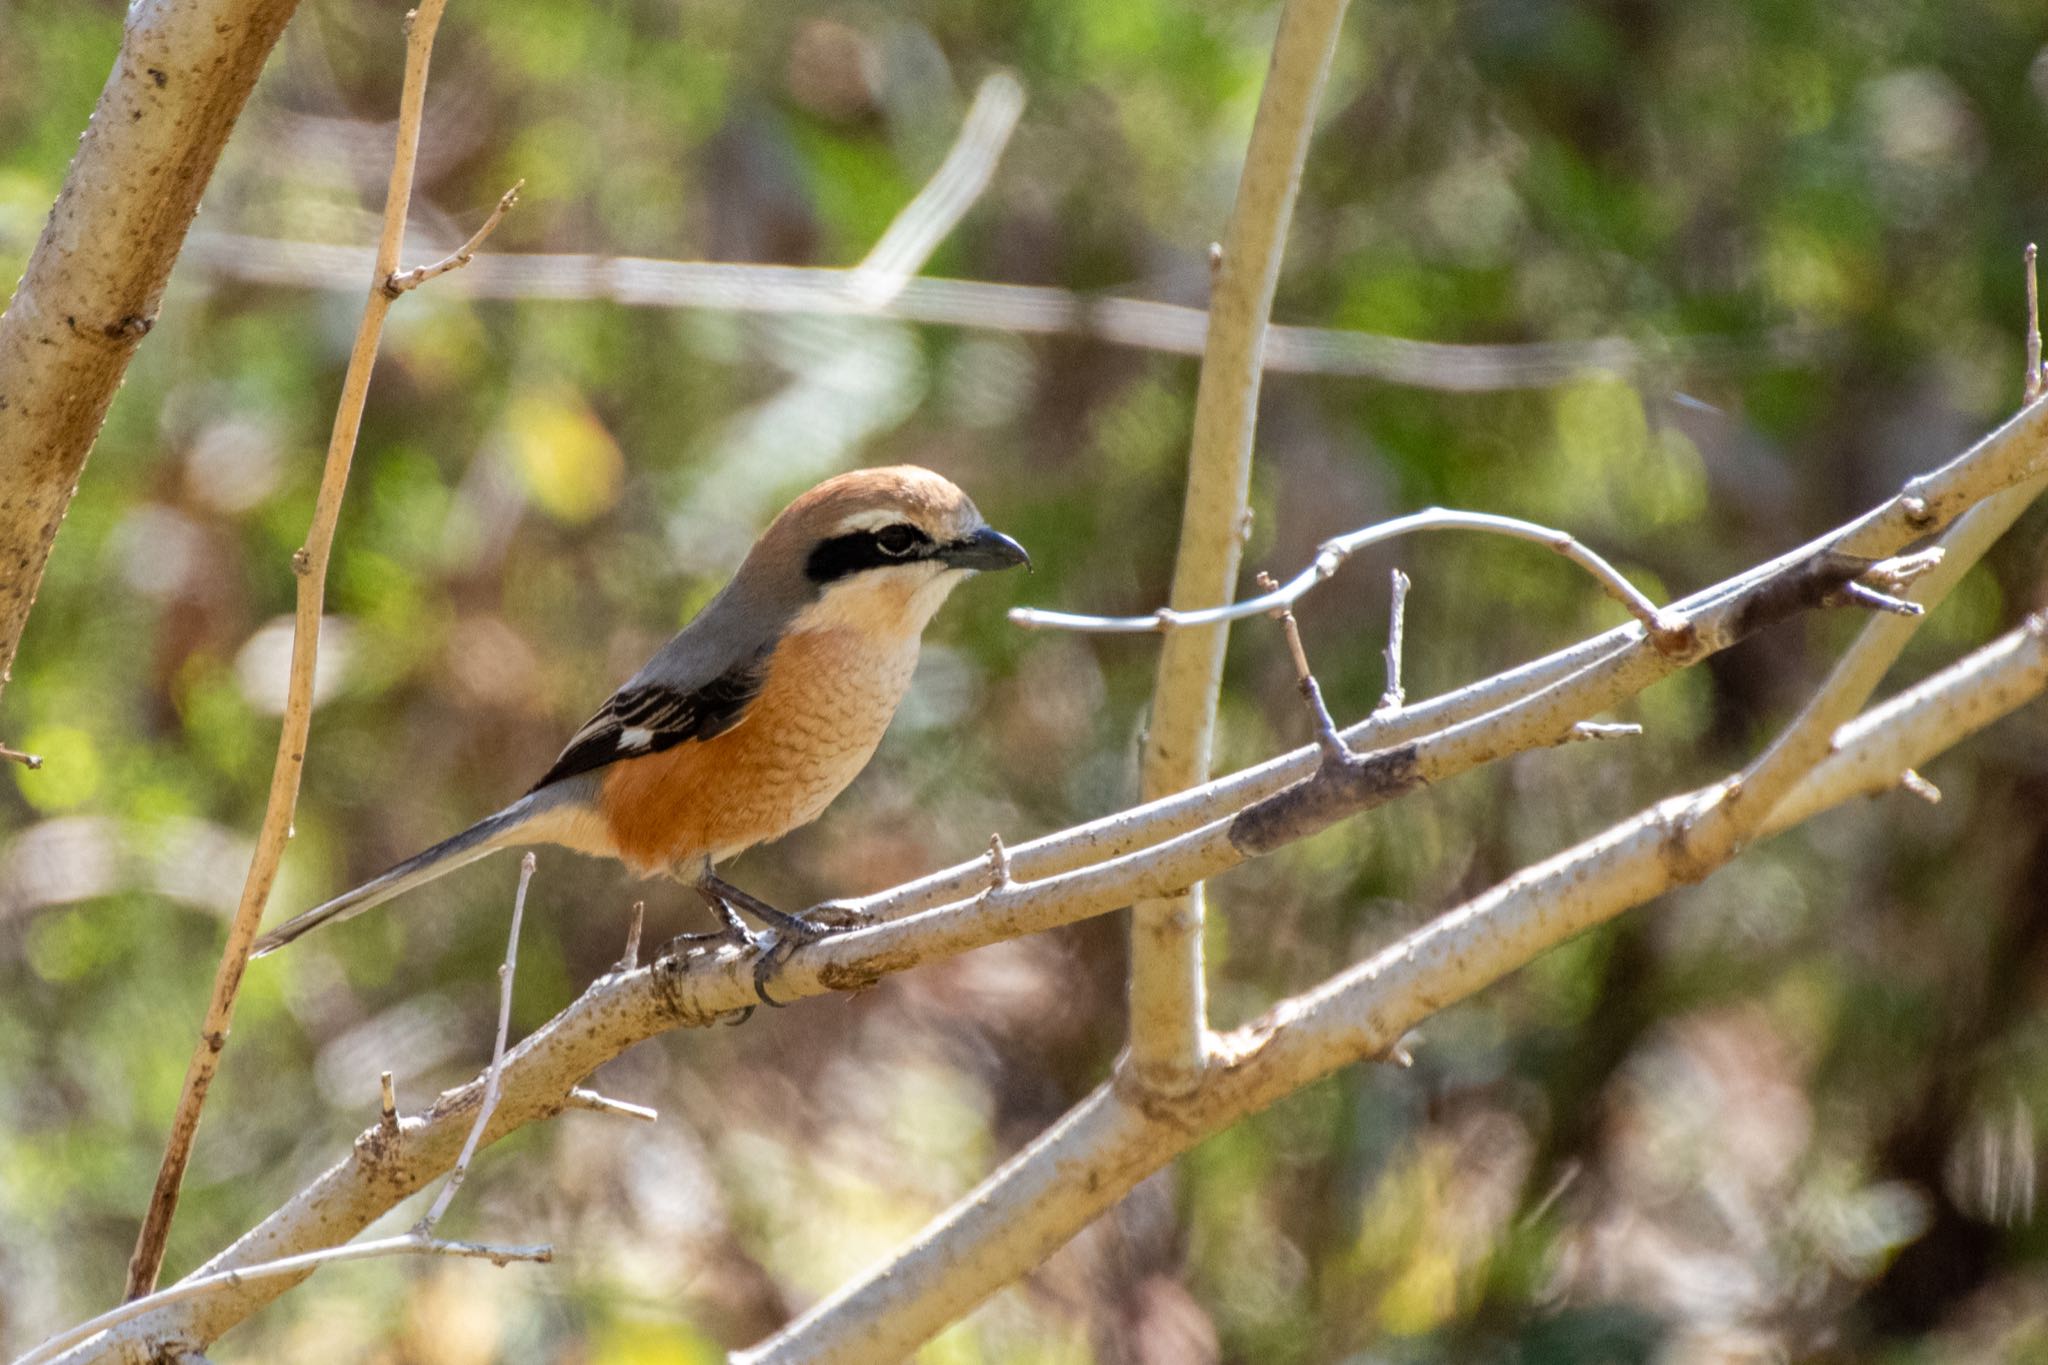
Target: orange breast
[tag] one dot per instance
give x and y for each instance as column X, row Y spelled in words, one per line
column 827, row 698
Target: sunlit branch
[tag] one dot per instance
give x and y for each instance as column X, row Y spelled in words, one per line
column 1331, row 556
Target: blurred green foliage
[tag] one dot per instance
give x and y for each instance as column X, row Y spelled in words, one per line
column 1787, row 1113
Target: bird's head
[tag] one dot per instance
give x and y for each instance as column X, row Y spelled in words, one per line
column 880, row 549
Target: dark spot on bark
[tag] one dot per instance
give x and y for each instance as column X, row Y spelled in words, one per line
column 846, row 979
column 135, row 116
column 1334, row 791
column 1803, row 587
column 71, row 322
column 128, row 327
column 159, row 77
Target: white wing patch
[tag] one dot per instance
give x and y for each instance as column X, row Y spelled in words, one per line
column 638, row 737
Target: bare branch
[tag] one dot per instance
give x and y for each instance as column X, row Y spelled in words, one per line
column 410, row 1244
column 619, row 1010
column 1169, row 1025
column 1156, row 848
column 1108, row 1143
column 310, row 567
column 1662, row 626
column 92, row 287
column 399, row 281
column 29, row 761
column 1586, row 678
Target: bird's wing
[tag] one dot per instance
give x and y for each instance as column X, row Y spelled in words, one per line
column 647, row 716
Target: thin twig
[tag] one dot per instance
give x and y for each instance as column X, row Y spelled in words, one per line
column 1095, row 1154
column 506, row 970
column 29, row 761
column 1144, row 849
column 1395, row 696
column 630, row 959
column 582, row 1098
column 1328, row 741
column 2034, row 379
column 310, row 566
column 1910, row 781
column 407, row 1244
column 620, row 1010
column 1662, row 625
column 399, row 281
column 387, row 1108
column 923, row 223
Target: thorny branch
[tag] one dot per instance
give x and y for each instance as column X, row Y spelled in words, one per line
column 398, row 282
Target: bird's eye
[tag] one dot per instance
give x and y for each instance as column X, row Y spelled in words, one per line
column 898, row 540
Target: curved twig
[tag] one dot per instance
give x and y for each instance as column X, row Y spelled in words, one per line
column 1662, row 624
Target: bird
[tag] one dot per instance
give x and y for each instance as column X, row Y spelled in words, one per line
column 754, row 717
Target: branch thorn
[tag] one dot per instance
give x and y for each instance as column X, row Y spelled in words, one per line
column 630, row 959
column 998, row 863
column 1919, row 786
column 1395, row 696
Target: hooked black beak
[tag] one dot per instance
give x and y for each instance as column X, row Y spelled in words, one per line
column 987, row 548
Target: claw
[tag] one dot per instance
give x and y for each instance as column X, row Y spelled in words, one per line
column 774, row 953
column 786, row 932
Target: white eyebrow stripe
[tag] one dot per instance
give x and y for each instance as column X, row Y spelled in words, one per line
column 874, row 519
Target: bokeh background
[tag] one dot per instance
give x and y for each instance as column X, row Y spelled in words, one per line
column 1790, row 1113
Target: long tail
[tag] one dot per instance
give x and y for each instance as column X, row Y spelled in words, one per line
column 487, row 835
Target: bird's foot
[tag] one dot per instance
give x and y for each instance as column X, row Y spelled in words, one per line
column 785, row 933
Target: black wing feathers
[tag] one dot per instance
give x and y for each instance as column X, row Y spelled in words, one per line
column 648, row 717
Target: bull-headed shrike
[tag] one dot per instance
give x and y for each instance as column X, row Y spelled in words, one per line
column 751, row 720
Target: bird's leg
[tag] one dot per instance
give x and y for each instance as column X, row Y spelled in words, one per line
column 731, row 898
column 790, row 931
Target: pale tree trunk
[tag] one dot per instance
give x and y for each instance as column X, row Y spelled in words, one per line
column 92, row 288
